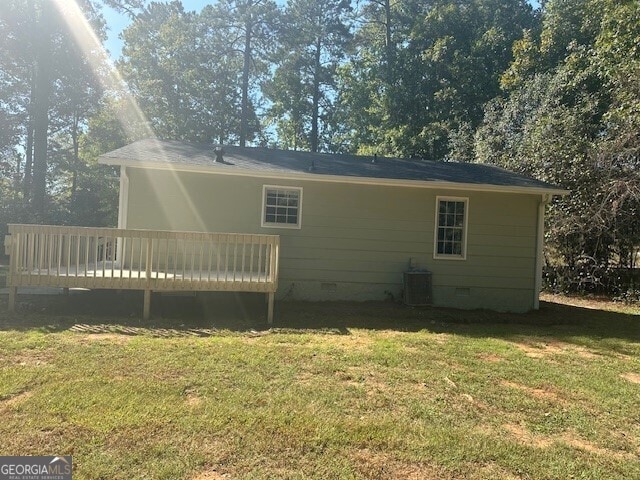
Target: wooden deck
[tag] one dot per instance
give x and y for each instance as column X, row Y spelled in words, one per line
column 148, row 260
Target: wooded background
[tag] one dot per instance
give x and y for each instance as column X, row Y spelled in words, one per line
column 552, row 92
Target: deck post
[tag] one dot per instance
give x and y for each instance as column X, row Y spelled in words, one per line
column 13, row 293
column 270, row 299
column 146, row 310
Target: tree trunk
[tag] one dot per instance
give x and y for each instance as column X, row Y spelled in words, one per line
column 246, row 65
column 389, row 50
column 43, row 87
column 315, row 111
column 28, row 166
column 76, row 157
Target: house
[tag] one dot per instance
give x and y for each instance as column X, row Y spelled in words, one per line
column 349, row 226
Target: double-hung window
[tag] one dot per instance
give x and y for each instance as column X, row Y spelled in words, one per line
column 451, row 228
column 281, row 207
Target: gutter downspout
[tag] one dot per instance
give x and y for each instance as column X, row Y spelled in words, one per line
column 545, row 199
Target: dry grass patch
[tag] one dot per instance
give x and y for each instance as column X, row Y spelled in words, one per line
column 539, row 393
column 527, row 438
column 8, row 403
column 554, row 347
column 209, row 475
column 491, row 357
column 382, row 466
column 631, row 377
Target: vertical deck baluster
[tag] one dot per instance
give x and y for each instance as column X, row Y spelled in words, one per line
column 259, row 257
column 244, row 247
column 42, row 239
column 267, row 268
column 140, row 261
column 168, row 259
column 48, row 253
column 68, row 254
column 27, row 241
column 218, row 255
column 235, row 256
column 210, row 244
column 226, row 259
column 95, row 255
column 201, row 256
column 130, row 269
column 59, row 266
column 77, row 272
column 175, row 261
column 193, row 255
column 105, row 244
column 114, row 245
column 86, row 254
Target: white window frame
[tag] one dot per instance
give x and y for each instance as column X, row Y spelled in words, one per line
column 263, row 212
column 451, row 256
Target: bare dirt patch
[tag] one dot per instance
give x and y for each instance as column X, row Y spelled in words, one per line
column 540, row 393
column 35, row 359
column 631, row 377
column 525, row 437
column 440, row 338
column 491, row 357
column 105, row 337
column 551, row 348
column 380, row 466
column 209, row 475
column 28, row 357
column 191, row 397
column 10, row 402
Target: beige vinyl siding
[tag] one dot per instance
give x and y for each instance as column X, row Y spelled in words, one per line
column 356, row 240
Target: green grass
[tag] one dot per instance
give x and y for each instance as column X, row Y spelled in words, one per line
column 335, row 391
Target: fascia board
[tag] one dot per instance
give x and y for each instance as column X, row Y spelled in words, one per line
column 266, row 174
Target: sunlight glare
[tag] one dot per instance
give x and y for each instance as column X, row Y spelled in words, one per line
column 131, row 117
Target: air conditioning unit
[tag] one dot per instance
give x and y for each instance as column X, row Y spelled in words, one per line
column 417, row 288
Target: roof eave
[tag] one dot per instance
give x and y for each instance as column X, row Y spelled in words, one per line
column 481, row 187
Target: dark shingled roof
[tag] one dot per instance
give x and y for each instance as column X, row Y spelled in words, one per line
column 151, row 152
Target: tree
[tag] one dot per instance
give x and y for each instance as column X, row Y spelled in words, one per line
column 186, row 73
column 571, row 119
column 50, row 85
column 248, row 26
column 303, row 88
column 443, row 62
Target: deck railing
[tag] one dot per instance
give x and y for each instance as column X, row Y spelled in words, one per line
column 43, row 255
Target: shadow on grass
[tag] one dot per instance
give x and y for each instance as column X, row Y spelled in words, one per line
column 213, row 313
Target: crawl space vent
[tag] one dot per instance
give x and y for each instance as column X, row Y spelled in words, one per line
column 417, row 288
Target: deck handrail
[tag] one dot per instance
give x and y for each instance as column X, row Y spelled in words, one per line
column 98, row 257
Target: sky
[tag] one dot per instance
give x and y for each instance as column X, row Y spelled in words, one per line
column 117, row 22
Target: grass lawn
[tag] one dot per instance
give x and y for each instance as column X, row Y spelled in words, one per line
column 336, row 391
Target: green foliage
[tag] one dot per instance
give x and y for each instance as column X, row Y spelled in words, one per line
column 446, row 63
column 571, row 119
